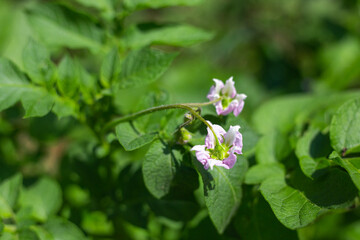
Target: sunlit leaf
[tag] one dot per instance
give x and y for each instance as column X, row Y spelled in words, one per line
column 44, row 198
column 110, row 68
column 159, row 168
column 57, row 26
column 290, row 206
column 37, row 64
column 179, row 35
column 130, row 138
column 345, row 128
column 144, row 66
column 222, row 191
column 62, row 229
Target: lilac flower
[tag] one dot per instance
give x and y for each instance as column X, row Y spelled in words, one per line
column 231, row 101
column 220, row 153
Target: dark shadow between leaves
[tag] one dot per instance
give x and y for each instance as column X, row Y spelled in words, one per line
column 330, row 188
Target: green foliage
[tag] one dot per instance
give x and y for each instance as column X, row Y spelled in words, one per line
column 181, row 36
column 13, row 84
column 290, row 206
column 308, row 154
column 143, row 66
column 43, row 198
column 159, row 168
column 256, row 221
column 140, row 4
column 68, row 81
column 344, row 128
column 58, row 27
column 131, row 139
column 78, row 162
column 110, row 68
column 62, row 229
column 222, row 190
column 37, row 63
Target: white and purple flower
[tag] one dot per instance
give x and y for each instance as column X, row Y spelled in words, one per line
column 220, row 153
column 231, row 101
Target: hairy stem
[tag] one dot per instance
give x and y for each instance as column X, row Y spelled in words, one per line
column 187, row 106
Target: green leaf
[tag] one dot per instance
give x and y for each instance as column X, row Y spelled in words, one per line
column 62, row 229
column 280, row 113
column 290, row 206
column 331, row 188
column 5, row 209
column 351, row 231
column 36, row 100
column 345, row 128
column 256, row 221
column 37, row 103
column 284, row 113
column 8, row 236
column 37, row 63
column 152, row 122
column 110, row 68
column 102, row 5
column 13, row 84
column 272, row 147
column 130, row 138
column 260, row 172
column 340, row 63
column 96, row 223
column 222, row 191
column 351, row 165
column 44, row 197
column 28, row 234
column 41, row 233
column 181, row 36
column 68, row 79
column 159, row 168
column 141, row 4
column 144, row 66
column 312, row 149
column 60, row 27
column 87, row 84
column 10, row 189
column 64, row 107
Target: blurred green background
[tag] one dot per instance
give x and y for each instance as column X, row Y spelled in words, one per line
column 270, row 46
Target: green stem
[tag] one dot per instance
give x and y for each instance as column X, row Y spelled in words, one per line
column 203, row 104
column 186, row 106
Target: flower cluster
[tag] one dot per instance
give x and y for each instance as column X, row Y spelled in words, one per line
column 230, row 100
column 220, row 150
column 221, row 147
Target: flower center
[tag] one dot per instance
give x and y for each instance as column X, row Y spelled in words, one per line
column 225, row 102
column 220, row 152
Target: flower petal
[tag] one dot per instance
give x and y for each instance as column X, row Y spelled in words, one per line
column 214, row 162
column 214, row 92
column 230, row 161
column 240, row 98
column 201, row 154
column 237, row 144
column 229, row 88
column 231, row 135
column 210, row 139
